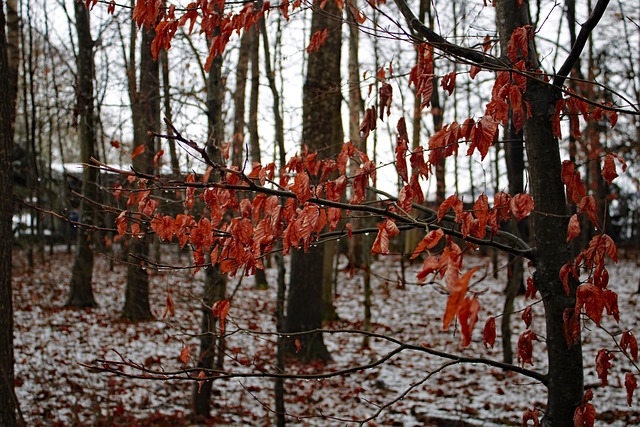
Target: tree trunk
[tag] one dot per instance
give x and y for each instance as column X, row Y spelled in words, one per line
column 166, row 92
column 8, row 401
column 146, row 108
column 254, row 138
column 214, row 290
column 550, row 221
column 322, row 132
column 13, row 55
column 304, row 305
column 260, row 278
column 278, row 386
column 565, row 387
column 239, row 101
column 514, row 153
column 80, row 292
column 215, row 287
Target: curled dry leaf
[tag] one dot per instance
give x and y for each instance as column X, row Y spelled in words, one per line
column 630, row 385
column 185, row 354
column 521, row 205
column 629, row 345
column 489, row 332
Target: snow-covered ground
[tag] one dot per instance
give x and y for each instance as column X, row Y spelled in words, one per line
column 52, row 344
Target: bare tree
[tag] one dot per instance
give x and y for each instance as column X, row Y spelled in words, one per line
column 80, row 291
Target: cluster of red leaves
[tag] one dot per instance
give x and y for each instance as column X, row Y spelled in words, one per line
column 448, row 263
column 421, row 75
column 237, row 233
column 585, row 414
column 573, row 106
column 475, row 222
column 214, row 23
column 318, row 39
column 592, row 295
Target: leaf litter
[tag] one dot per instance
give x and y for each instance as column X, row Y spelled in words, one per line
column 53, row 344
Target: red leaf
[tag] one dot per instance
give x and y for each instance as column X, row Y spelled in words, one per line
column 369, row 122
column 515, row 100
column 301, row 187
column 121, row 223
column 573, row 230
column 530, row 415
column 489, row 332
column 603, row 365
column 185, row 354
column 531, row 289
column 170, row 308
column 139, row 149
column 386, row 230
column 527, row 316
column 428, row 242
column 585, row 414
column 555, row 120
column 481, row 212
column 468, row 316
column 318, row 39
column 519, row 43
column 401, row 151
column 163, row 226
column 571, row 179
column 595, row 300
column 473, row 72
column 448, row 82
column 386, row 95
column 421, row 75
column 298, row 345
column 521, row 205
column 609, row 168
column 456, row 297
column 630, row 385
column 201, row 377
column 525, row 347
column 451, row 202
column 588, row 205
column 565, row 270
column 571, row 326
column 483, row 134
column 629, row 345
column 220, row 310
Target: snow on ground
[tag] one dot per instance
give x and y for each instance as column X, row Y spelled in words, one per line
column 52, row 345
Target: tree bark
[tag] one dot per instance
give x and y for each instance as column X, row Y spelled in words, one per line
column 13, row 55
column 260, row 278
column 168, row 113
column 239, row 101
column 80, row 291
column 566, row 377
column 322, row 132
column 8, row 402
column 215, row 287
column 278, row 387
column 146, row 108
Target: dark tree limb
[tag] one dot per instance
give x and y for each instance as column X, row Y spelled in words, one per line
column 581, row 41
column 435, row 39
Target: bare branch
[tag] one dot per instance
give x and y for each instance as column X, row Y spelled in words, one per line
column 583, row 36
column 472, row 55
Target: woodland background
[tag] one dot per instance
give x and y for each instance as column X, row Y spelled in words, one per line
column 92, row 297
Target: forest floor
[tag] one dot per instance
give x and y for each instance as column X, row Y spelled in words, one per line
column 54, row 344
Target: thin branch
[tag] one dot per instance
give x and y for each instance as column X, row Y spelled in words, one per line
column 117, row 367
column 581, row 41
column 477, row 57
